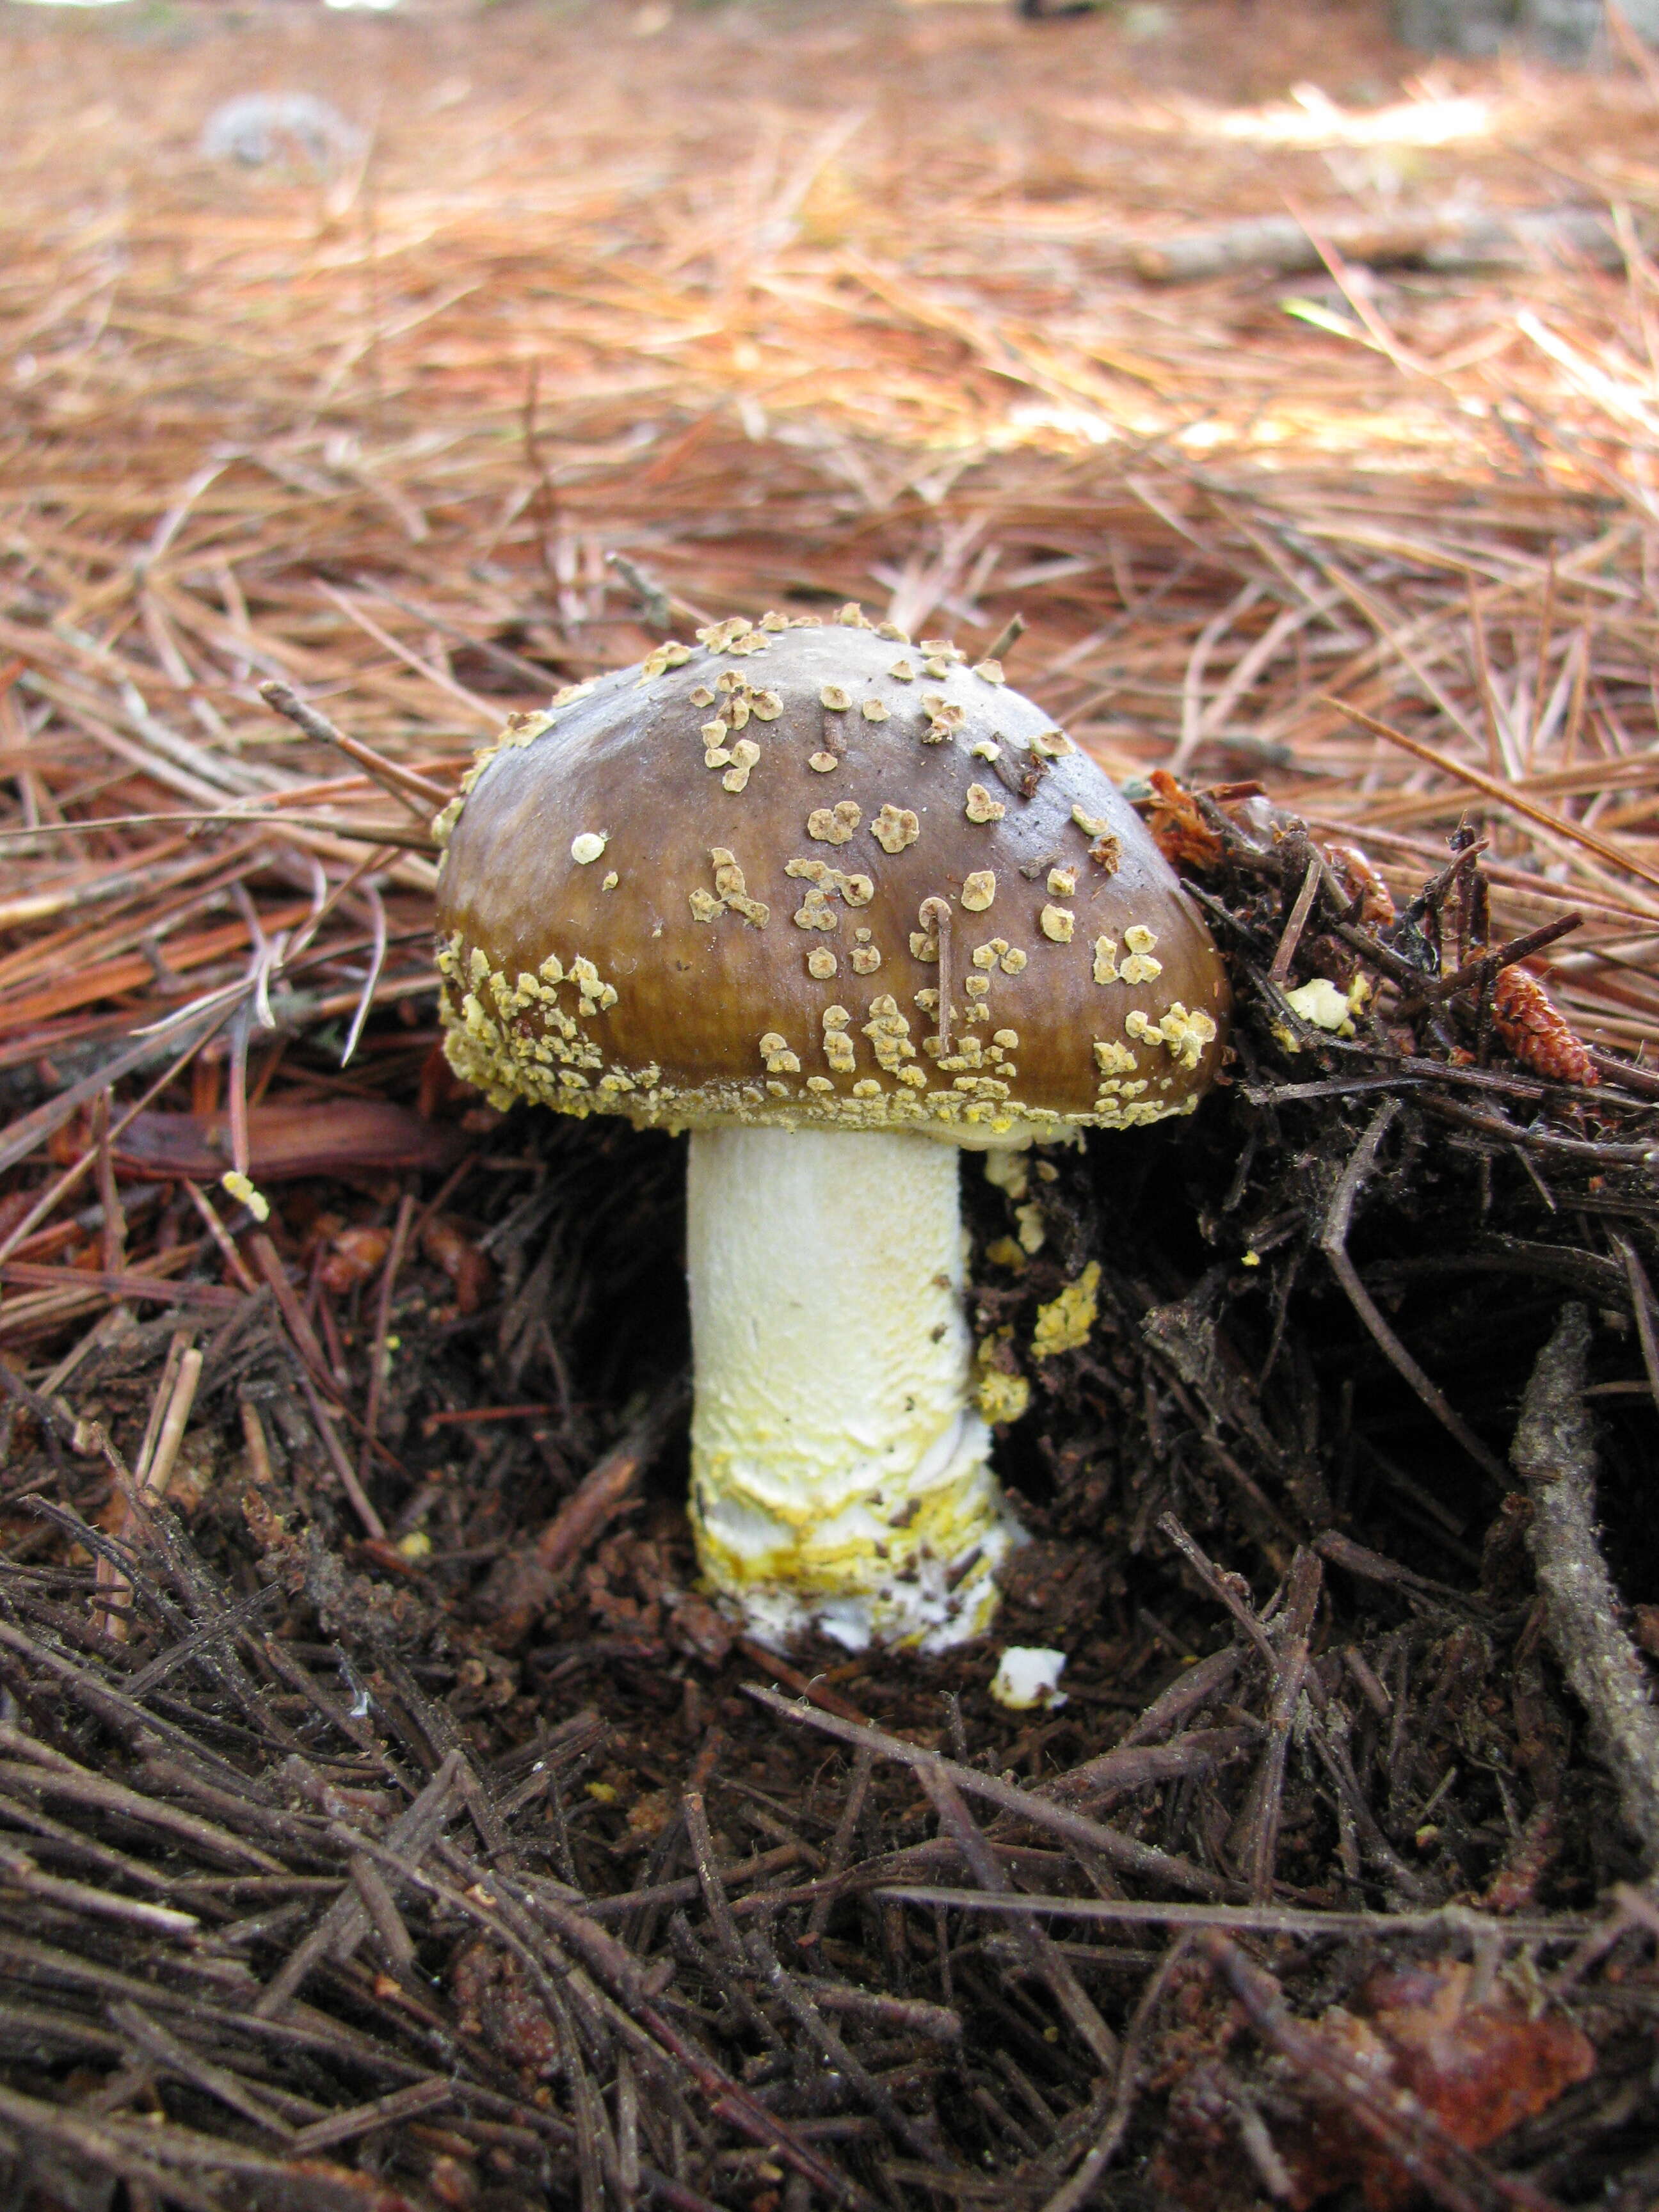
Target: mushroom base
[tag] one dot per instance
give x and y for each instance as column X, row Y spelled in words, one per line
column 840, row 1480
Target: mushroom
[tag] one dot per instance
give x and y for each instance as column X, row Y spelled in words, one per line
column 840, row 906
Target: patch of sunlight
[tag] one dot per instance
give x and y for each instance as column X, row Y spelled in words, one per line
column 1083, row 423
column 1311, row 117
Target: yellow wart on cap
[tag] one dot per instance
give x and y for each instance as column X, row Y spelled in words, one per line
column 834, row 826
column 895, row 827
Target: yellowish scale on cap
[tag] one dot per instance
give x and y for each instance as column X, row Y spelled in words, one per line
column 836, row 697
column 980, row 806
column 873, row 710
column 978, row 889
column 1105, row 960
column 989, row 671
column 834, row 826
column 1057, row 923
column 1063, row 882
column 730, row 890
column 823, row 762
column 776, row 1055
column 744, row 754
column 588, row 847
column 822, row 962
column 902, row 673
column 1140, row 967
column 895, row 827
column 766, row 706
column 838, row 1047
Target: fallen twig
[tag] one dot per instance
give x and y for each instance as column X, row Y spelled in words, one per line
column 1554, row 1453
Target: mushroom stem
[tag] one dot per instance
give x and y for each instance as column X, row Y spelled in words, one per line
column 840, row 1477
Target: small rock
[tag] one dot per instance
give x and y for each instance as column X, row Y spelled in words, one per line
column 295, row 127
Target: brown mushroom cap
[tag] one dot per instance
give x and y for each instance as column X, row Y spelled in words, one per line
column 724, row 887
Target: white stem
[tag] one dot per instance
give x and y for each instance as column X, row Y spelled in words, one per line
column 840, row 1479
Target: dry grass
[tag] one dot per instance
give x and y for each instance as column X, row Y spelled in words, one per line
column 790, row 301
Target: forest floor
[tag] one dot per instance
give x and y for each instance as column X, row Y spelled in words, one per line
column 386, row 1818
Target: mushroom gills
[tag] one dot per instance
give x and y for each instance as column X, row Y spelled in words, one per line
column 841, row 1481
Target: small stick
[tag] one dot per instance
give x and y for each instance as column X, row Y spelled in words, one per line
column 377, row 1357
column 1006, row 638
column 396, row 2107
column 1333, row 1242
column 1221, row 1586
column 159, row 1473
column 1076, row 2191
column 910, row 2015
column 1194, row 1686
column 1260, row 1821
column 652, row 598
column 1294, row 927
column 1126, row 1852
column 221, row 1235
column 381, row 1907
column 269, row 1265
column 371, row 833
column 815, row 1691
column 1641, row 1298
column 915, row 2134
column 282, row 699
column 695, row 1815
column 1502, row 956
column 114, row 1230
column 1049, row 1963
column 840, row 1847
column 1554, row 1454
column 1496, row 759
column 173, row 1400
column 348, row 1474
